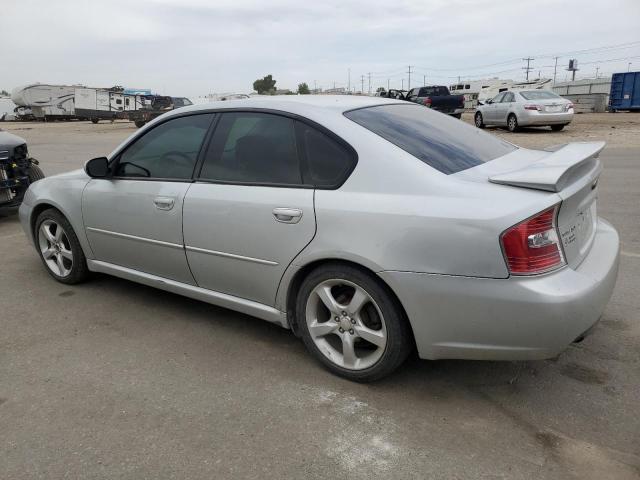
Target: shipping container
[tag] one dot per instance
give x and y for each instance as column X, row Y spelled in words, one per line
column 625, row 91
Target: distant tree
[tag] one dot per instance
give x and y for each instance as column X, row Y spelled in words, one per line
column 266, row 85
column 4, row 93
column 303, row 89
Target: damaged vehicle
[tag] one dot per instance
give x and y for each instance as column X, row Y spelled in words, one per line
column 17, row 171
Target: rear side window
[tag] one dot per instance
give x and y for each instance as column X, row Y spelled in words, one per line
column 440, row 141
column 328, row 161
column 434, row 91
column 252, row 147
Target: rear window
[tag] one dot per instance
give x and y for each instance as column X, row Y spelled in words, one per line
column 539, row 95
column 434, row 91
column 440, row 141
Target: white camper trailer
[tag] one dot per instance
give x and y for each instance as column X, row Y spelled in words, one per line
column 46, row 102
column 103, row 104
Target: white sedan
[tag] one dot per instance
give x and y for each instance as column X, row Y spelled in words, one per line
column 525, row 108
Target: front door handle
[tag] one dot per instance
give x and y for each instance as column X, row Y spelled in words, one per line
column 164, row 203
column 287, row 215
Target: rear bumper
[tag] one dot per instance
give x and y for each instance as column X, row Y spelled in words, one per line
column 533, row 117
column 518, row 318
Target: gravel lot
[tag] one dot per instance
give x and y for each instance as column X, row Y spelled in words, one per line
column 110, row 379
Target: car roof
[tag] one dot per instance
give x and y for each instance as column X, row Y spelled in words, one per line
column 304, row 105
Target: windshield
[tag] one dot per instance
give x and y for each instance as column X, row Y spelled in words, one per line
column 440, row 141
column 539, row 95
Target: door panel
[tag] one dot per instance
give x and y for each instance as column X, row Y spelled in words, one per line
column 137, row 224
column 234, row 242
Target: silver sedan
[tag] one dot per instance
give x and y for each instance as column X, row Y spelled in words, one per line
column 525, row 108
column 369, row 227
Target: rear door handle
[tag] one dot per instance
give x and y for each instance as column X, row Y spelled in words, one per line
column 287, row 215
column 164, row 203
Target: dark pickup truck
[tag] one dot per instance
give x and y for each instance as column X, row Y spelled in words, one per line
column 437, row 98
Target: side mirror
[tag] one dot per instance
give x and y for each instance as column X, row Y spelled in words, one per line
column 97, row 167
column 488, row 101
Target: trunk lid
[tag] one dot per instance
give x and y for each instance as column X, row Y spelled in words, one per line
column 570, row 171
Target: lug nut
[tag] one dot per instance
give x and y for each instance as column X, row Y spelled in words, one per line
column 353, row 320
column 344, row 314
column 341, row 330
column 336, row 319
column 351, row 331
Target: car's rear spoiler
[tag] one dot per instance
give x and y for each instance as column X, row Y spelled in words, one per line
column 552, row 172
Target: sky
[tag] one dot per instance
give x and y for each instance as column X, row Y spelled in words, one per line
column 197, row 47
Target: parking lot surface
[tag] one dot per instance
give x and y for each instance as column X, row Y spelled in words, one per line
column 111, row 379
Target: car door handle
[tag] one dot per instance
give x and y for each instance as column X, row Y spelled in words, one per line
column 164, row 203
column 287, row 215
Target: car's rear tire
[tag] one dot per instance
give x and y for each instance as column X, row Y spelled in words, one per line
column 59, row 248
column 479, row 120
column 139, row 123
column 352, row 323
column 557, row 128
column 95, row 120
column 457, row 115
column 512, row 123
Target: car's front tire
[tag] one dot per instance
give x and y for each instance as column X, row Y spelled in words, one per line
column 479, row 120
column 512, row 123
column 557, row 128
column 59, row 248
column 352, row 323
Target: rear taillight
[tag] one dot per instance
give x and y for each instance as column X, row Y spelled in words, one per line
column 427, row 102
column 533, row 246
column 568, row 106
column 532, row 107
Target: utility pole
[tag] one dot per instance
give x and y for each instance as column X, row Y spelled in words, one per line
column 315, row 87
column 424, row 80
column 349, row 81
column 369, row 75
column 409, row 82
column 402, row 88
column 362, row 84
column 597, row 69
column 528, row 68
column 628, row 66
column 555, row 68
column 388, row 81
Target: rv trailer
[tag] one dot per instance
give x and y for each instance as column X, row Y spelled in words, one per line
column 103, row 104
column 44, row 102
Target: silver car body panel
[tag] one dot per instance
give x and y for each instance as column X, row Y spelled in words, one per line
column 235, row 244
column 433, row 238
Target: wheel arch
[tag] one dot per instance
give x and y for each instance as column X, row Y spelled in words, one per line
column 290, row 290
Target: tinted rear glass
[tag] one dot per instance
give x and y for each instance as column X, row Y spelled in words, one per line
column 539, row 95
column 434, row 91
column 440, row 141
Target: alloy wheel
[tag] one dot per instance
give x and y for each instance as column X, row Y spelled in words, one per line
column 346, row 324
column 55, row 248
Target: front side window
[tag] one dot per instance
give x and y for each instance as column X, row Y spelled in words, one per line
column 169, row 150
column 498, row 98
column 250, row 147
column 438, row 140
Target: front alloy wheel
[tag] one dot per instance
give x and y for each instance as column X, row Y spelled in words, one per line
column 55, row 248
column 59, row 247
